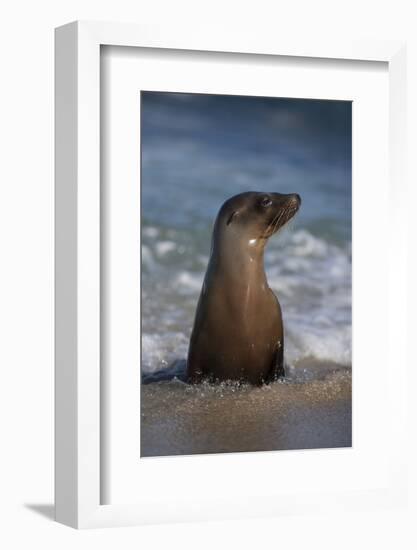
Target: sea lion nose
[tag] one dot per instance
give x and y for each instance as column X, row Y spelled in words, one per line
column 295, row 197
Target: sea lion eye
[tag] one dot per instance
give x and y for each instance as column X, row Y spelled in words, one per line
column 265, row 202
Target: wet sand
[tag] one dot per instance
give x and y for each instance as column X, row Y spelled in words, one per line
column 311, row 409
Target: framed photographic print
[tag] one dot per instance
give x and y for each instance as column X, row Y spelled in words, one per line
column 221, row 350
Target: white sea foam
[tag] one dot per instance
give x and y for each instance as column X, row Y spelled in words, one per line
column 324, row 342
column 311, row 277
column 189, row 282
column 163, row 247
column 148, row 259
column 150, row 231
column 305, row 244
column 159, row 351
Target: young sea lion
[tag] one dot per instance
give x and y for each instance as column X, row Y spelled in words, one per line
column 238, row 331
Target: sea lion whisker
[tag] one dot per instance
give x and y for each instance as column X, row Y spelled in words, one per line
column 265, row 234
column 276, row 223
column 289, row 214
column 281, row 215
column 271, row 227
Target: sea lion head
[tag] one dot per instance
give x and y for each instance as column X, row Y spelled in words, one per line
column 256, row 216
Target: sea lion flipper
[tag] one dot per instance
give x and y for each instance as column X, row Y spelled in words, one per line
column 278, row 367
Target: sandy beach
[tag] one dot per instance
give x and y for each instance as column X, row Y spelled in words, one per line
column 309, row 413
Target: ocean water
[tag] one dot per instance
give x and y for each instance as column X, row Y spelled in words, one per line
column 197, row 151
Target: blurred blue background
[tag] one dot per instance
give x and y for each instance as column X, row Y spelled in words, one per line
column 197, row 151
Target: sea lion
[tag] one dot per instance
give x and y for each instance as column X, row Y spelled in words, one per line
column 238, row 330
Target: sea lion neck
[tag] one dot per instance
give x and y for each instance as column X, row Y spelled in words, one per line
column 239, row 259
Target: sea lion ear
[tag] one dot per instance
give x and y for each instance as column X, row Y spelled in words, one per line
column 232, row 215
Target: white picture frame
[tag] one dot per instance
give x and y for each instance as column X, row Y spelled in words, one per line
column 78, row 404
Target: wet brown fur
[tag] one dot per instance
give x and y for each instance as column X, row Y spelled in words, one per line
column 238, row 330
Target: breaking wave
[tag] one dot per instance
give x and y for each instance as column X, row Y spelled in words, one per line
column 310, row 275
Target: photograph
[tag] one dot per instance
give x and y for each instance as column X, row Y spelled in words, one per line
column 246, row 274
column 208, row 272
